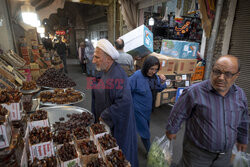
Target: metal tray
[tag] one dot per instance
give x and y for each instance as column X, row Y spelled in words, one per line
column 31, row 91
column 54, row 113
column 51, row 88
column 55, row 104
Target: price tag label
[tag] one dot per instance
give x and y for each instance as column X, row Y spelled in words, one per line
column 168, row 82
column 184, row 77
column 186, row 83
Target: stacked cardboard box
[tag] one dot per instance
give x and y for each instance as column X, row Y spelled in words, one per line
column 138, row 42
column 35, row 71
column 178, row 73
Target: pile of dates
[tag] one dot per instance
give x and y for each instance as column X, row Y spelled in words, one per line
column 40, row 135
column 83, row 119
column 116, row 158
column 107, row 142
column 87, row 147
column 81, row 133
column 55, row 79
column 27, row 103
column 3, row 112
column 10, row 96
column 39, row 115
column 96, row 162
column 67, row 152
column 98, row 128
column 46, row 162
column 61, row 137
column 61, row 96
column 29, row 85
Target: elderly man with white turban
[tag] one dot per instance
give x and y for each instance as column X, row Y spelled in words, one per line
column 112, row 100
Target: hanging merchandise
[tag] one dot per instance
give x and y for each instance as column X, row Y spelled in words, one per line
column 165, row 18
column 210, row 8
column 192, row 9
column 178, row 17
column 182, row 30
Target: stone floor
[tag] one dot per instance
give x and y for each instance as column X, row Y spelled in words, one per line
column 158, row 117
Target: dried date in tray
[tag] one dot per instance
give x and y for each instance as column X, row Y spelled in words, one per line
column 74, row 116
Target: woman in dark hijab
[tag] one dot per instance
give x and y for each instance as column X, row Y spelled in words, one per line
column 145, row 84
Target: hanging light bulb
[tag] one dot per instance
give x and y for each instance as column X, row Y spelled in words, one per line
column 29, row 15
column 151, row 21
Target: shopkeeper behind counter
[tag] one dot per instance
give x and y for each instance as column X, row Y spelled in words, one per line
column 216, row 116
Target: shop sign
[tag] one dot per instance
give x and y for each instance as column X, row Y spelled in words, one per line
column 60, row 32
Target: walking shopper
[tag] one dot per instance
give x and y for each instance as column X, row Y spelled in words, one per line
column 89, row 53
column 216, row 116
column 125, row 60
column 112, row 100
column 61, row 48
column 145, row 84
column 82, row 58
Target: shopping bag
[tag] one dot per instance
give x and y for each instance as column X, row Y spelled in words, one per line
column 241, row 159
column 160, row 153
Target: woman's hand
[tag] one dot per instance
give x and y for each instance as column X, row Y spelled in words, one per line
column 162, row 77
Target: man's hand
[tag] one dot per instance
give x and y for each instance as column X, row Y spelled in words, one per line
column 170, row 136
column 241, row 147
column 100, row 119
column 162, row 77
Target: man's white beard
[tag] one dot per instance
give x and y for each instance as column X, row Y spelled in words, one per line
column 98, row 69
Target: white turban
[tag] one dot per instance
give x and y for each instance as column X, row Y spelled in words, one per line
column 108, row 48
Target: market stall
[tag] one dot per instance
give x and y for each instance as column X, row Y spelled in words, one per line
column 42, row 127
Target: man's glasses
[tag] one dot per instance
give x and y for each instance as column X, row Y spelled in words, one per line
column 226, row 74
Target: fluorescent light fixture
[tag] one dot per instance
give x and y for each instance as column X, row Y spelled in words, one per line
column 151, row 21
column 75, row 0
column 40, row 30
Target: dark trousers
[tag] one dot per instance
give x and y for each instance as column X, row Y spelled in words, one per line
column 63, row 58
column 146, row 143
column 194, row 156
